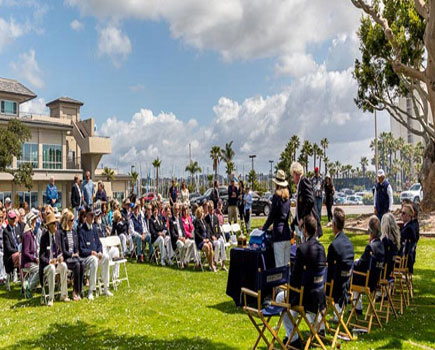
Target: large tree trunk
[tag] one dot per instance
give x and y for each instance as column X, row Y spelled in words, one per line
column 427, row 178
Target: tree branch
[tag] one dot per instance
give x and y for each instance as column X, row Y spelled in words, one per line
column 422, row 8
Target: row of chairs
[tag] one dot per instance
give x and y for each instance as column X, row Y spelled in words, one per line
column 395, row 293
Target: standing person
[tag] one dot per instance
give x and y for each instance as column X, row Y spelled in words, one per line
column 304, row 200
column 101, row 192
column 185, row 194
column 91, row 250
column 51, row 193
column 383, row 195
column 214, row 195
column 329, row 196
column 247, row 210
column 88, row 189
column 172, row 194
column 76, row 196
column 51, row 260
column 240, row 202
column 233, row 197
column 317, row 182
column 279, row 216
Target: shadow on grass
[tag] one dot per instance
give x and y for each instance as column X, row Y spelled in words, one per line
column 392, row 344
column 227, row 307
column 81, row 335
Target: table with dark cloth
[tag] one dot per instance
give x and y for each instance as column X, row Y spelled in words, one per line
column 244, row 265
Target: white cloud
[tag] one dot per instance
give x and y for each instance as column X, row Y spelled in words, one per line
column 137, row 87
column 77, row 25
column 297, row 64
column 9, row 31
column 315, row 106
column 112, row 42
column 28, row 69
column 37, row 106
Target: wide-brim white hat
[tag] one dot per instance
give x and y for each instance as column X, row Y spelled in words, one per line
column 280, row 178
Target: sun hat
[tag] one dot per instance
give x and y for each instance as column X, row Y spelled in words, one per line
column 30, row 217
column 50, row 219
column 280, row 179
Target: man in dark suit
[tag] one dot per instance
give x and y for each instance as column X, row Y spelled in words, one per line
column 372, row 258
column 76, row 195
column 180, row 244
column 340, row 260
column 310, row 261
column 304, row 199
column 91, row 250
column 51, row 260
column 11, row 255
column 217, row 237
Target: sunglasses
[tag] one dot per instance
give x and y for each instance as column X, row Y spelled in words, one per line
column 72, row 220
column 404, row 213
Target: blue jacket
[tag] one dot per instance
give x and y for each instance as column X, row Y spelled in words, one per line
column 89, row 240
column 279, row 215
column 51, row 193
column 88, row 191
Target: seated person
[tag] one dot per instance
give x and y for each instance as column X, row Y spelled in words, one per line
column 168, row 245
column 220, row 214
column 120, row 229
column 91, row 250
column 186, row 219
column 216, row 236
column 138, row 231
column 408, row 236
column 311, row 259
column 70, row 252
column 11, row 244
column 178, row 235
column 340, row 260
column 390, row 240
column 374, row 250
column 51, row 260
column 202, row 237
column 147, row 222
column 29, row 255
column 158, row 233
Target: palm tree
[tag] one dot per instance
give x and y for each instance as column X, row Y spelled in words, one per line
column 108, row 173
column 317, row 153
column 337, row 168
column 294, row 146
column 306, row 151
column 324, row 143
column 364, row 162
column 216, row 156
column 210, row 180
column 156, row 164
column 134, row 176
column 227, row 155
column 193, row 168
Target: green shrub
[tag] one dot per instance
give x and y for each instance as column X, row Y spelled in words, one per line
column 368, row 199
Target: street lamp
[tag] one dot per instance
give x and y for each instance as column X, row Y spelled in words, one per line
column 271, row 172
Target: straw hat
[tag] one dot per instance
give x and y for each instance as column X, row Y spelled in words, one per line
column 280, row 178
column 50, row 219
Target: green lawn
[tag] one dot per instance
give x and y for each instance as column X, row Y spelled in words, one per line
column 170, row 309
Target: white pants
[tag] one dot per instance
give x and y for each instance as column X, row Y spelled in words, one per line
column 33, row 275
column 2, row 268
column 130, row 243
column 160, row 244
column 168, row 245
column 50, row 274
column 288, row 325
column 281, row 251
column 219, row 250
column 180, row 251
column 92, row 262
column 123, row 240
column 189, row 250
column 113, row 252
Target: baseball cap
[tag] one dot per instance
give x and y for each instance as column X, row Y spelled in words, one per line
column 381, row 173
column 8, row 200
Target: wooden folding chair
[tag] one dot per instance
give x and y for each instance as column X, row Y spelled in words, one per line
column 331, row 306
column 401, row 288
column 386, row 306
column 361, row 290
column 268, row 279
column 310, row 281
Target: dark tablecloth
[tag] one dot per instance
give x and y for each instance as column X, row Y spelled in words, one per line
column 244, row 265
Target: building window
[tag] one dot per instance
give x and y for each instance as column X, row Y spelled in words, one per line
column 29, row 154
column 119, row 196
column 4, row 195
column 8, row 107
column 58, row 204
column 52, row 156
column 30, row 197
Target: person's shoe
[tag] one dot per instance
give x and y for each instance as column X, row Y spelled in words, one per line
column 76, row 297
column 108, row 293
column 359, row 311
column 170, row 263
column 65, row 298
column 296, row 344
column 224, row 268
column 285, row 340
column 322, row 333
column 141, row 258
column 91, row 296
column 50, row 303
column 163, row 263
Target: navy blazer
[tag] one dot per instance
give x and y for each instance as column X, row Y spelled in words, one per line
column 340, row 260
column 391, row 252
column 174, row 232
column 374, row 250
column 65, row 244
column 156, row 226
column 44, row 251
column 279, row 215
column 214, row 228
column 201, row 231
column 305, row 205
column 310, row 259
column 9, row 248
column 89, row 241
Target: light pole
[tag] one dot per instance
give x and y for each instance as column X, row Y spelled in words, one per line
column 131, row 173
column 376, row 144
column 271, row 163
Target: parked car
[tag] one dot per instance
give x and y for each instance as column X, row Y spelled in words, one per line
column 339, row 200
column 149, row 197
column 194, row 195
column 223, row 194
column 414, row 194
column 354, row 200
column 260, row 205
column 348, row 191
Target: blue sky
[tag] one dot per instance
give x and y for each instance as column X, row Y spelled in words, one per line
column 197, row 74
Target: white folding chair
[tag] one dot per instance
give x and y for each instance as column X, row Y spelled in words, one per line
column 236, row 229
column 115, row 242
